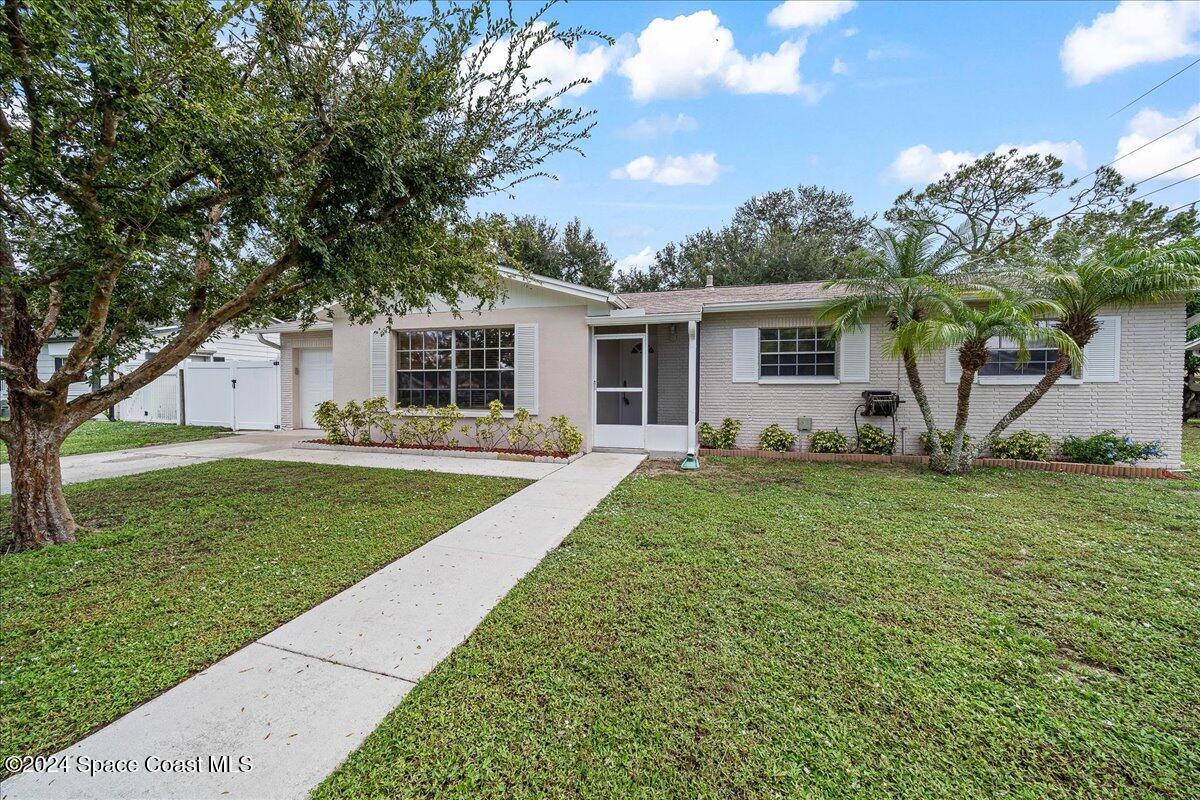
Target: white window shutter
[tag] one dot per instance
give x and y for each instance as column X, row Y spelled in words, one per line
column 1102, row 355
column 380, row 361
column 855, row 349
column 745, row 355
column 953, row 368
column 526, row 372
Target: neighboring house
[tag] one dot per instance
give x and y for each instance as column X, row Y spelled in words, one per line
column 224, row 346
column 639, row 371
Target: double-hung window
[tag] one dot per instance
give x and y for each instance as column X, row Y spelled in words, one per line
column 1003, row 359
column 470, row 367
column 802, row 352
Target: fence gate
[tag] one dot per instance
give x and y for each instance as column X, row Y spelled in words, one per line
column 242, row 395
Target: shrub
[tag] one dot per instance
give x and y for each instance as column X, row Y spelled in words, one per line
column 563, row 437
column 491, row 429
column 523, row 432
column 828, row 442
column 329, row 417
column 723, row 438
column 1023, row 445
column 1108, row 447
column 379, row 417
column 947, row 441
column 429, row 427
column 776, row 438
column 872, row 439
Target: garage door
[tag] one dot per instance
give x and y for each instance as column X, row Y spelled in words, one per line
column 315, row 381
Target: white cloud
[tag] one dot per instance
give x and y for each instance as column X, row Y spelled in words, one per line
column 685, row 56
column 1135, row 32
column 559, row 65
column 696, row 169
column 839, row 67
column 662, row 125
column 890, row 51
column 808, row 13
column 1070, row 153
column 919, row 164
column 848, row 32
column 1179, row 147
column 636, row 262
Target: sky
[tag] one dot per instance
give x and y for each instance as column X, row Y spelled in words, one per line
column 700, row 106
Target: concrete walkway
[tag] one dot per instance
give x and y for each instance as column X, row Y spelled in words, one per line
column 271, row 446
column 298, row 701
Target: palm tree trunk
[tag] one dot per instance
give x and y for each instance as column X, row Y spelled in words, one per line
column 937, row 454
column 956, row 463
column 1059, row 368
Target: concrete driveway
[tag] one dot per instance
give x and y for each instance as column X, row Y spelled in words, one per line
column 270, row 446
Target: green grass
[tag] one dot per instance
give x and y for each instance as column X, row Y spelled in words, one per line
column 779, row 629
column 185, row 566
column 102, row 436
column 1191, row 445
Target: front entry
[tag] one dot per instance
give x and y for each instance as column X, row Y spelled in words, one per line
column 315, row 380
column 619, row 378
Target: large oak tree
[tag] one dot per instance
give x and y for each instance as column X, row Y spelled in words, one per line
column 202, row 164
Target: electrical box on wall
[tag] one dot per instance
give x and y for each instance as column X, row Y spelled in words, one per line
column 804, row 424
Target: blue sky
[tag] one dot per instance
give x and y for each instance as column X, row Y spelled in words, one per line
column 701, row 105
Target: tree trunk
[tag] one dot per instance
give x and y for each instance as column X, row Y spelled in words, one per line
column 40, row 515
column 937, row 454
column 957, row 462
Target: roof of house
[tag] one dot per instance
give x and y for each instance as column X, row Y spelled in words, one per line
column 695, row 300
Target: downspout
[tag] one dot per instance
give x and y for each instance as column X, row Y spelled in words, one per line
column 268, row 342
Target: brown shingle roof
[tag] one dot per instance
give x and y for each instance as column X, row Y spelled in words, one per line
column 691, row 300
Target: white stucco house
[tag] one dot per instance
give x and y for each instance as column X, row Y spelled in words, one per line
column 639, row 371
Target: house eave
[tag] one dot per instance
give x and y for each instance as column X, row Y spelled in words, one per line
column 765, row 305
column 605, row 321
column 564, row 287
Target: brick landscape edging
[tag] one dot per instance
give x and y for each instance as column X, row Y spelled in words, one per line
column 1103, row 470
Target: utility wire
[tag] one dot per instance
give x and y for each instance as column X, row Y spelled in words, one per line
column 1165, row 171
column 1153, row 88
column 1185, row 205
column 1168, row 186
column 1147, row 144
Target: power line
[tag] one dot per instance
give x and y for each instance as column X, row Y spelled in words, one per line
column 1147, row 144
column 1168, row 186
column 1185, row 205
column 1165, row 171
column 1153, row 88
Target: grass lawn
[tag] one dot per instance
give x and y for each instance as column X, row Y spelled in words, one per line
column 1191, row 445
column 185, row 566
column 782, row 629
column 101, row 436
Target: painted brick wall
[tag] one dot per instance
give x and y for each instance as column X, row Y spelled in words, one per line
column 289, row 343
column 1146, row 403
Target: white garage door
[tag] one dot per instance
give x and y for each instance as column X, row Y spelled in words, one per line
column 315, row 382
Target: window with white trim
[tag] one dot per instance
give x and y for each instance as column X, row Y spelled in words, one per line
column 467, row 366
column 1003, row 362
column 802, row 352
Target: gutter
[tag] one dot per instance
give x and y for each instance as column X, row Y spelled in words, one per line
column 264, row 340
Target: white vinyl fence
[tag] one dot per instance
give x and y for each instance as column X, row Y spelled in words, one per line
column 241, row 395
column 157, row 401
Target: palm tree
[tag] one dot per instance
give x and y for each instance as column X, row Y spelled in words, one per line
column 968, row 324
column 904, row 277
column 1118, row 273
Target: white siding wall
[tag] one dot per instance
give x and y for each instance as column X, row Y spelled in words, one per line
column 1146, row 403
column 290, row 342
